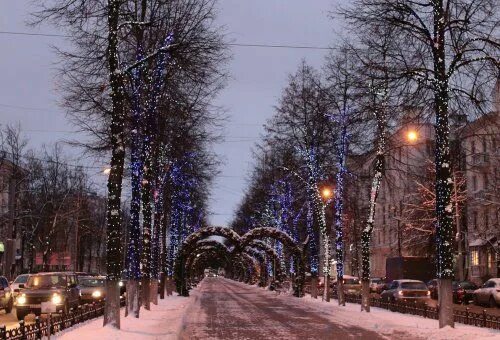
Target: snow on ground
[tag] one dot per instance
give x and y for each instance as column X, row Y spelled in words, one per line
column 392, row 324
column 162, row 322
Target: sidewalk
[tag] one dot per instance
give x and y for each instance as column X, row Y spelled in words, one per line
column 162, row 322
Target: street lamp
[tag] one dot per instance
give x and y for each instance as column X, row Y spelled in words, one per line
column 412, row 136
column 107, row 171
column 326, row 193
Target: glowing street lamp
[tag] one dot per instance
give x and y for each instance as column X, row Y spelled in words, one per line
column 326, row 193
column 107, row 171
column 412, row 136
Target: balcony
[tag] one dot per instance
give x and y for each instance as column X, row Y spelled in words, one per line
column 480, row 159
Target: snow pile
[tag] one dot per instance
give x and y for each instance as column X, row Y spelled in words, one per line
column 392, row 324
column 162, row 322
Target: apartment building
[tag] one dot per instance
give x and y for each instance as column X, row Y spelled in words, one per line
column 481, row 144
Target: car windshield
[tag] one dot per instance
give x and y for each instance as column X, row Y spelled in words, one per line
column 468, row 285
column 351, row 281
column 91, row 282
column 21, row 279
column 46, row 281
column 413, row 285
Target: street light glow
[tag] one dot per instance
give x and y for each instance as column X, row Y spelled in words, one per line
column 412, row 135
column 107, row 171
column 326, row 193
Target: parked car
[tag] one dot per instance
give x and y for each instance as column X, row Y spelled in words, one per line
column 382, row 286
column 20, row 279
column 432, row 285
column 352, row 285
column 469, row 288
column 489, row 293
column 406, row 290
column 48, row 292
column 374, row 282
column 6, row 297
column 92, row 288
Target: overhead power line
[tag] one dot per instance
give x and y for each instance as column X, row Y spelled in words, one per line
column 283, row 46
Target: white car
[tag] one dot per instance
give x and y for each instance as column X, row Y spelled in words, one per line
column 489, row 293
column 20, row 280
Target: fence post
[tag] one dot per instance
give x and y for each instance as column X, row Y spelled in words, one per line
column 23, row 330
column 38, row 328
column 466, row 315
column 484, row 317
column 425, row 310
column 3, row 332
column 49, row 326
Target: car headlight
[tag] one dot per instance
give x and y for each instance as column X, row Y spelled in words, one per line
column 120, row 283
column 96, row 294
column 21, row 300
column 428, row 293
column 400, row 292
column 56, row 299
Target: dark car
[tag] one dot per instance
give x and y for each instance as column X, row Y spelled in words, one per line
column 382, row 286
column 92, row 288
column 48, row 292
column 6, row 297
column 469, row 288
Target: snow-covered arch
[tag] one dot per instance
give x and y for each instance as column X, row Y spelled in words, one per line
column 296, row 249
column 250, row 239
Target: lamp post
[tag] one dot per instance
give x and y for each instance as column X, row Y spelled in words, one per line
column 326, row 194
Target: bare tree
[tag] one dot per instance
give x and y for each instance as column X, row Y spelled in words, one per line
column 447, row 53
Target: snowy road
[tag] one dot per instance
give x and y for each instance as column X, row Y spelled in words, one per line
column 224, row 309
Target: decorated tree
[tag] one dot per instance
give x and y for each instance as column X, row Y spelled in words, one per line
column 444, row 54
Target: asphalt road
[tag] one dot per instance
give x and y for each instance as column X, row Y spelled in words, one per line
column 224, row 309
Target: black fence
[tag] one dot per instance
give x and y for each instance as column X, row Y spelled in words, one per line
column 53, row 323
column 466, row 317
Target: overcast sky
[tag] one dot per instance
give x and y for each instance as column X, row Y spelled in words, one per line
column 258, row 75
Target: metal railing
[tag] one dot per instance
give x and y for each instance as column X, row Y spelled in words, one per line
column 466, row 317
column 54, row 323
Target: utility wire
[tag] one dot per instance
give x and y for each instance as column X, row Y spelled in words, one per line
column 284, row 46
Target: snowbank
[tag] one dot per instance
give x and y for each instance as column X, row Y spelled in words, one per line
column 162, row 322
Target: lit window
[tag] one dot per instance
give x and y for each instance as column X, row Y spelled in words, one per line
column 491, row 259
column 474, row 257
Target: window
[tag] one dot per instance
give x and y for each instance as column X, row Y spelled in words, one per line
column 474, row 257
column 491, row 259
column 394, row 285
column 473, row 147
column 474, row 220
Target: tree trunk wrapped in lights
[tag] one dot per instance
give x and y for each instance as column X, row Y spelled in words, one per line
column 378, row 168
column 132, row 261
column 113, row 241
column 342, row 150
